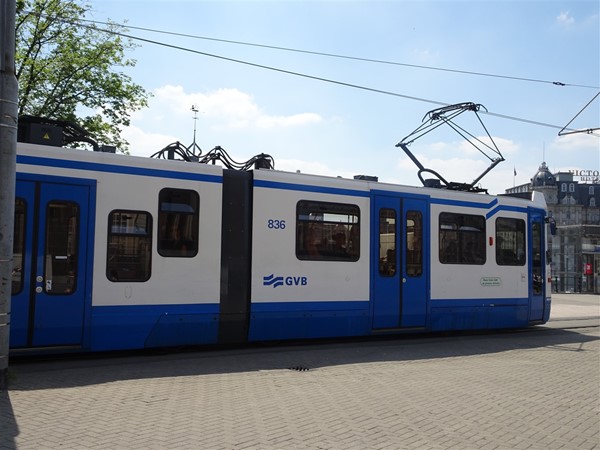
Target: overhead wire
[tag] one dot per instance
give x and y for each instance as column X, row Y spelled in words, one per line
column 349, row 57
column 588, row 130
column 328, row 80
column 299, row 74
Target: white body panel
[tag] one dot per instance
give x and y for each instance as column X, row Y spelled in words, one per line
column 273, row 250
column 489, row 280
column 173, row 280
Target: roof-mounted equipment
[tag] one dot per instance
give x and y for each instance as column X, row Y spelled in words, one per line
column 57, row 133
column 177, row 151
column 446, row 115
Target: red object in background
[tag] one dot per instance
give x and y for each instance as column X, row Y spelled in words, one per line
column 587, row 269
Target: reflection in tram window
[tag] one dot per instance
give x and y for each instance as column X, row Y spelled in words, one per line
column 536, row 257
column 18, row 246
column 178, row 212
column 327, row 231
column 387, row 242
column 510, row 242
column 60, row 261
column 462, row 239
column 414, row 243
column 129, row 246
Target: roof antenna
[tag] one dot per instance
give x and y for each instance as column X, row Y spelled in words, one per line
column 193, row 146
column 445, row 115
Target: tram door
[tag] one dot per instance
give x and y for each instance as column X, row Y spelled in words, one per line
column 49, row 264
column 399, row 274
column 537, row 266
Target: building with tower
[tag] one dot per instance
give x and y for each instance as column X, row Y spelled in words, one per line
column 573, row 200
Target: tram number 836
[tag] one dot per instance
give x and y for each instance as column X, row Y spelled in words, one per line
column 276, row 224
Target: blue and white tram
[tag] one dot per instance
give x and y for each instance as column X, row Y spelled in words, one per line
column 116, row 252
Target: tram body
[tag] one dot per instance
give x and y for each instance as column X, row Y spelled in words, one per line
column 116, row 252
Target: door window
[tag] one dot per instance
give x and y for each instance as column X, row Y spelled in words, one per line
column 60, row 257
column 536, row 231
column 414, row 243
column 387, row 242
column 18, row 246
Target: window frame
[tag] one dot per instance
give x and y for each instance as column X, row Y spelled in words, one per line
column 146, row 235
column 19, row 243
column 456, row 251
column 414, row 255
column 61, row 269
column 328, row 233
column 387, row 260
column 176, row 240
column 511, row 250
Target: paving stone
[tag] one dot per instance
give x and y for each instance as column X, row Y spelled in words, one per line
column 525, row 390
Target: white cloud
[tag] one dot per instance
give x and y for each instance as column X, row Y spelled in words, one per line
column 287, row 121
column 505, row 146
column 576, row 143
column 310, row 167
column 229, row 108
column 425, row 56
column 565, row 19
column 460, row 170
column 142, row 143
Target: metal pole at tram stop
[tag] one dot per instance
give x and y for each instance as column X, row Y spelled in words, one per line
column 9, row 94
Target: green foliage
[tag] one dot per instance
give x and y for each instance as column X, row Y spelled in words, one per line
column 68, row 69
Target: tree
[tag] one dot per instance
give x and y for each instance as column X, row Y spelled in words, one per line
column 67, row 69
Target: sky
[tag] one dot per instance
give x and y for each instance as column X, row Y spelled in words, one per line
column 503, row 55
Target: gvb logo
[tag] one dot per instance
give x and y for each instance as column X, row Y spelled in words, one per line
column 272, row 280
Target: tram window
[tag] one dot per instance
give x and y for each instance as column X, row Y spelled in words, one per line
column 61, row 254
column 18, row 246
column 510, row 242
column 178, row 211
column 462, row 239
column 387, row 242
column 327, row 231
column 129, row 246
column 414, row 243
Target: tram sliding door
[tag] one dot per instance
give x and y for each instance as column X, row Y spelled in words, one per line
column 399, row 274
column 537, row 266
column 49, row 264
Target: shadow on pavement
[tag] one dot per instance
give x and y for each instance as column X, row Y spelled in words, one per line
column 89, row 370
column 10, row 430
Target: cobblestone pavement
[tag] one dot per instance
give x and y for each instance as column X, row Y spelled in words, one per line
column 534, row 389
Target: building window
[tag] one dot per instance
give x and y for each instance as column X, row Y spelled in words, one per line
column 129, row 246
column 591, row 190
column 592, row 202
column 510, row 242
column 327, row 231
column 178, row 214
column 462, row 239
column 571, row 187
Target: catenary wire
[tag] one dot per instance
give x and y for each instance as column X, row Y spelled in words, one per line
column 327, row 80
column 299, row 74
column 354, row 58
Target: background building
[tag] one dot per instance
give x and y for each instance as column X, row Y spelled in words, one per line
column 573, row 200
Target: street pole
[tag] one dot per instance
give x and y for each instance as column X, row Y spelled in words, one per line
column 9, row 94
